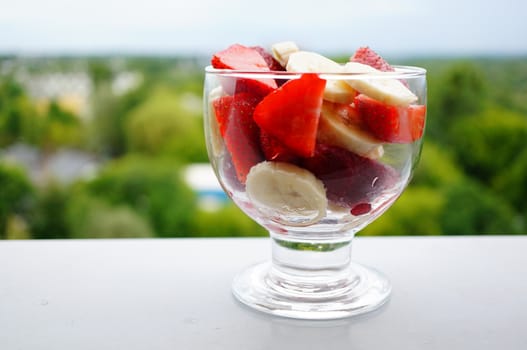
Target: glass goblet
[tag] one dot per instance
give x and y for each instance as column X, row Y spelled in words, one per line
column 313, row 168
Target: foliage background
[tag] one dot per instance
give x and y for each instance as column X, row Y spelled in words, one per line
column 471, row 179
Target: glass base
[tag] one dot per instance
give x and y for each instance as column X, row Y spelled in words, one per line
column 355, row 290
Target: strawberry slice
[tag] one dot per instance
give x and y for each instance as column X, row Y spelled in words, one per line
column 391, row 123
column 351, row 180
column 272, row 63
column 274, row 150
column 240, row 133
column 416, row 120
column 365, row 55
column 239, row 57
column 291, row 113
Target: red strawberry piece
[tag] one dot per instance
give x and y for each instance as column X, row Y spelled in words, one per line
column 222, row 111
column 391, row 123
column 365, row 55
column 291, row 113
column 272, row 63
column 416, row 120
column 239, row 57
column 381, row 119
column 274, row 150
column 351, row 180
column 240, row 133
column 360, row 209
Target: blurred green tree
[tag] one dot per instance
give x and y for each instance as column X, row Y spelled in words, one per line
column 461, row 90
column 151, row 186
column 48, row 215
column 507, row 79
column 437, row 167
column 416, row 212
column 17, row 114
column 16, row 194
column 61, row 128
column 487, row 143
column 110, row 112
column 511, row 183
column 164, row 125
column 90, row 217
column 100, row 71
column 229, row 221
column 471, row 208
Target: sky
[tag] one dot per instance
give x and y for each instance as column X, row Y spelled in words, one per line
column 152, row 27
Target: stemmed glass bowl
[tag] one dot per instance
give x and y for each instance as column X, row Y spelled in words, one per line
column 314, row 204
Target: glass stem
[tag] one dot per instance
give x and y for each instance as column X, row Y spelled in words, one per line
column 311, row 269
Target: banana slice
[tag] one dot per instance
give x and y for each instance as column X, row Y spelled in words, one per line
column 336, row 90
column 216, row 141
column 389, row 91
column 305, row 61
column 337, row 127
column 286, row 193
column 282, row 50
column 339, row 92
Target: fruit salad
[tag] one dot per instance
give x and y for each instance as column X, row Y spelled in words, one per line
column 326, row 138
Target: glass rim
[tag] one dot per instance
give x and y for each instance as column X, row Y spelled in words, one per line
column 401, row 72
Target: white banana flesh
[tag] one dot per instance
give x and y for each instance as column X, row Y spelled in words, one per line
column 339, row 92
column 282, row 50
column 286, row 193
column 389, row 91
column 336, row 127
column 305, row 61
column 336, row 90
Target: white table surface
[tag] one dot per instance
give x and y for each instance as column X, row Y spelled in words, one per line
column 448, row 293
